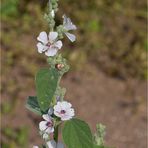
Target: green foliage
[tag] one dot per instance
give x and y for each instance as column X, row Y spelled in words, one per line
column 22, row 136
column 46, row 84
column 6, row 108
column 113, row 39
column 99, row 135
column 76, row 133
column 58, row 60
column 94, row 26
column 96, row 146
column 60, row 93
column 9, row 8
column 15, row 137
column 32, row 105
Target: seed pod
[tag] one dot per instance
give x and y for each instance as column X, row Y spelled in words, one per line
column 59, row 66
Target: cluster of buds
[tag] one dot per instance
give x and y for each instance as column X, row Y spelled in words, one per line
column 59, row 66
column 52, row 9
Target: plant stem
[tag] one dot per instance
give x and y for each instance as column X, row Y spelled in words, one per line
column 56, row 134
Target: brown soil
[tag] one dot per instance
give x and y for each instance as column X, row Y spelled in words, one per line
column 120, row 105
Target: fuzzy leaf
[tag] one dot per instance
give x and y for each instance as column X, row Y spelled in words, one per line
column 32, row 105
column 46, row 84
column 97, row 146
column 77, row 134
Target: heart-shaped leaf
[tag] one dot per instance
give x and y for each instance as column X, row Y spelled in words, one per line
column 77, row 134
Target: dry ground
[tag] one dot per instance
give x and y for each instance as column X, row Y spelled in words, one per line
column 120, row 105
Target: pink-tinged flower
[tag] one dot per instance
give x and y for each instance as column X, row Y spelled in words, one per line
column 48, row 43
column 35, row 146
column 64, row 110
column 68, row 25
column 53, row 144
column 47, row 126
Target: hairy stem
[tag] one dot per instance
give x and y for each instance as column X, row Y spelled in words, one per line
column 56, row 134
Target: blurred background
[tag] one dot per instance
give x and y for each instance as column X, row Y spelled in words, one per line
column 107, row 80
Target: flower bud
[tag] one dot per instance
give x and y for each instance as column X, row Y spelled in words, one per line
column 59, row 66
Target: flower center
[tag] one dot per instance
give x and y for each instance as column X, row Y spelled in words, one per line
column 48, row 44
column 49, row 124
column 63, row 111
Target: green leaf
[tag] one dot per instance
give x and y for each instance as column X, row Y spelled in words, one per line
column 77, row 134
column 60, row 93
column 9, row 8
column 32, row 105
column 46, row 84
column 97, row 146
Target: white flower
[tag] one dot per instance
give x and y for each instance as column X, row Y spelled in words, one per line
column 48, row 44
column 63, row 110
column 35, row 146
column 52, row 144
column 47, row 125
column 68, row 25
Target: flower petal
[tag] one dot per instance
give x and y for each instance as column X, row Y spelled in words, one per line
column 68, row 25
column 64, row 118
column 51, row 144
column 50, row 111
column 58, row 107
column 52, row 36
column 41, row 47
column 43, row 37
column 71, row 37
column 66, row 105
column 70, row 112
column 49, row 130
column 58, row 44
column 43, row 125
column 51, row 52
column 57, row 113
column 35, row 146
column 46, row 117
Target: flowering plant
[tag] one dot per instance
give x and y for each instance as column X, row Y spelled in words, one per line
column 49, row 101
